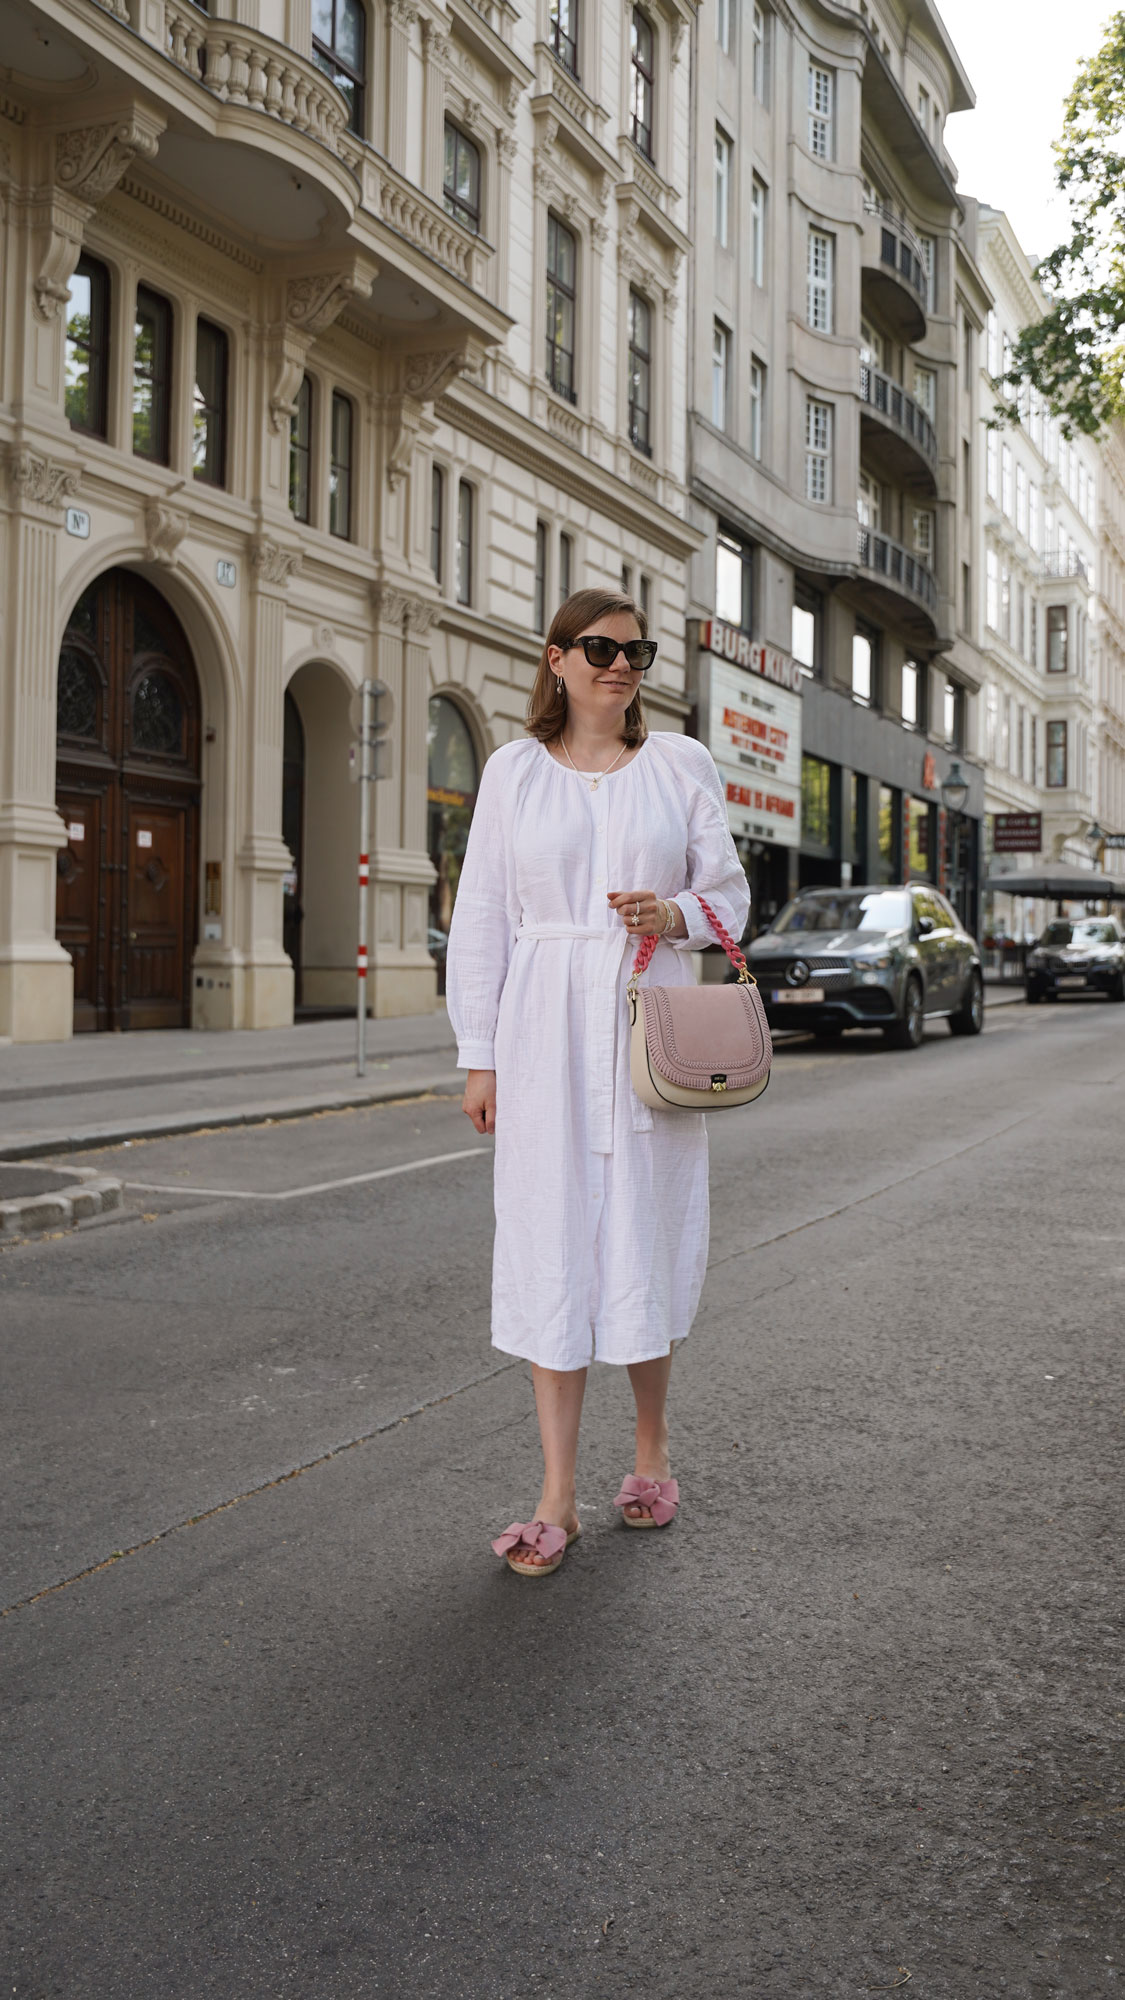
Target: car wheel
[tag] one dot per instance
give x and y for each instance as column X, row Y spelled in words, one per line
column 969, row 1018
column 908, row 1030
column 1033, row 995
column 1117, row 990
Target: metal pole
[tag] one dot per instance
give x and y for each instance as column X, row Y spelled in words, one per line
column 364, row 872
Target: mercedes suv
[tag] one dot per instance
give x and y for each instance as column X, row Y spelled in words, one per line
column 889, row 958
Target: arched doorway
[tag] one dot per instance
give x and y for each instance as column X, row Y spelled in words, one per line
column 451, row 791
column 293, row 834
column 127, row 787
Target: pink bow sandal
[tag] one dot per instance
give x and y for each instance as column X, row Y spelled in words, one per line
column 660, row 1496
column 539, row 1536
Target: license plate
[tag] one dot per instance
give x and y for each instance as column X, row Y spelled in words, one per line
column 797, row 996
column 1071, row 979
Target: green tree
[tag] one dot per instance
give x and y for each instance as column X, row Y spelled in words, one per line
column 1075, row 354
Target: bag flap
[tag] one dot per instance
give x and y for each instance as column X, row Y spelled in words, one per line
column 695, row 1033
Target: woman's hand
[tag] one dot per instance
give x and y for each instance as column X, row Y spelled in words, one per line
column 652, row 910
column 479, row 1101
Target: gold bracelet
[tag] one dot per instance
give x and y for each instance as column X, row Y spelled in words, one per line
column 669, row 917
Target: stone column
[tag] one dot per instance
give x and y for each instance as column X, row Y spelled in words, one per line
column 403, row 976
column 435, row 47
column 266, row 974
column 36, row 974
column 402, row 16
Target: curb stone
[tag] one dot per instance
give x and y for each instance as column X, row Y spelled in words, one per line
column 90, row 1193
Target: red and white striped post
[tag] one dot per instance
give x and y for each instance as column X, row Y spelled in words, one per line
column 365, row 776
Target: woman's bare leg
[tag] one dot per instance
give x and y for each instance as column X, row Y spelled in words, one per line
column 650, row 1391
column 558, row 1402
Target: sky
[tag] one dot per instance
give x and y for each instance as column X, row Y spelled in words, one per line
column 1020, row 57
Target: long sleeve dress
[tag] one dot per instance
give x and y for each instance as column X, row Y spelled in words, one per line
column 601, row 1204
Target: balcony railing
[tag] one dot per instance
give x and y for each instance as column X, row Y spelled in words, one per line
column 892, row 250
column 898, row 567
column 1065, row 563
column 240, row 65
column 881, row 393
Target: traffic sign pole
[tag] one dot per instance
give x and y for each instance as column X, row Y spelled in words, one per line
column 364, row 873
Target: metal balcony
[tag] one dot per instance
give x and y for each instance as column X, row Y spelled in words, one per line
column 1056, row 563
column 894, row 272
column 898, row 437
column 899, row 573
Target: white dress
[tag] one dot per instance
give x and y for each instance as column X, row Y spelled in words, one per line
column 601, row 1204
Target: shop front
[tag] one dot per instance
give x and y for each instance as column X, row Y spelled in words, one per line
column 750, row 719
column 452, row 777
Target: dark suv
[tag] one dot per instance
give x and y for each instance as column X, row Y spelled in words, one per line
column 1083, row 956
column 869, row 958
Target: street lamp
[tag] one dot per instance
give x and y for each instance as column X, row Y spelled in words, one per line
column 954, row 793
column 954, row 789
column 1095, row 840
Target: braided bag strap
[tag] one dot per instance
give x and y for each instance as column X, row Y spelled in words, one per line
column 648, row 944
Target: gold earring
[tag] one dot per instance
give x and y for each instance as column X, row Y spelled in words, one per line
column 558, row 683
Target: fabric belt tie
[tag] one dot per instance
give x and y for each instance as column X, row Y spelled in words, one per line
column 615, row 942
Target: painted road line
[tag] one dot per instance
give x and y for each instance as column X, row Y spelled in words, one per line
column 314, row 1187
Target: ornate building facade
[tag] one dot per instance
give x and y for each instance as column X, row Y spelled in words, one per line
column 334, row 344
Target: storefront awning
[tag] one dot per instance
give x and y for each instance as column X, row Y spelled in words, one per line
column 1055, row 880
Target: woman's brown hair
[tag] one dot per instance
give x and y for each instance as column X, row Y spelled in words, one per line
column 546, row 707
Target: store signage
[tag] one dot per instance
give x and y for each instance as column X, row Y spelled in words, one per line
column 731, row 644
column 1017, row 833
column 78, row 523
column 754, row 735
column 1114, row 840
column 929, row 773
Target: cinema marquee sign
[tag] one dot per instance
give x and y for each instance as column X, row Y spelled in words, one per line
column 750, row 718
column 742, row 651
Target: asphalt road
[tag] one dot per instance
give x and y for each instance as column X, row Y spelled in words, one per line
column 275, row 1721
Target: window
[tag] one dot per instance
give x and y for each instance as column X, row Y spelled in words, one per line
column 991, row 721
column 924, row 109
column 816, row 802
column 887, row 868
column 300, row 451
column 818, row 451
column 724, row 25
column 992, row 338
column 910, row 679
column 87, row 348
column 437, row 525
column 758, row 231
column 1033, row 766
column 820, row 112
column 464, row 579
column 953, row 714
column 925, row 391
column 646, row 594
column 1005, row 602
column 928, row 247
column 640, row 372
column 759, row 65
column 340, row 468
column 566, row 567
column 733, row 576
column 1021, row 742
column 338, row 37
column 152, row 375
column 923, row 527
column 757, row 405
column 807, row 627
column 967, row 351
column 722, row 189
column 1056, row 755
column 209, row 405
column 864, row 645
column 819, row 308
column 992, row 466
column 966, row 597
column 1033, row 516
column 1057, row 639
column 564, row 33
column 643, row 59
column 992, row 590
column 1033, row 632
column 966, row 475
column 627, row 579
column 1006, row 479
column 541, row 576
column 867, row 503
column 562, row 262
column 720, row 370
column 461, row 178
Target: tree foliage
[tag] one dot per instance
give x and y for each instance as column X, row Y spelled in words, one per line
column 1075, row 354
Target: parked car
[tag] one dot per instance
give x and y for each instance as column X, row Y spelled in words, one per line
column 1083, row 955
column 889, row 958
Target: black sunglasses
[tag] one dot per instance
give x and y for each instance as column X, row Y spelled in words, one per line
column 602, row 652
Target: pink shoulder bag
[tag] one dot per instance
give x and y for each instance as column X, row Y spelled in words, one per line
column 698, row 1048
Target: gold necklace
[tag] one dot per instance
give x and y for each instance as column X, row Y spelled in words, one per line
column 592, row 783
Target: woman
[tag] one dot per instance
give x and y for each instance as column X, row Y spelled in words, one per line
column 587, row 835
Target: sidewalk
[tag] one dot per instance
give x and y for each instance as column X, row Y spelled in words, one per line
column 99, row 1090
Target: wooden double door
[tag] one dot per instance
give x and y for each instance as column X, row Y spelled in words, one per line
column 128, row 791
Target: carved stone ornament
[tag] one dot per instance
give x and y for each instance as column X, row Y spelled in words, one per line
column 39, row 479
column 88, row 164
column 389, row 605
column 507, row 146
column 165, row 528
column 420, row 615
column 434, row 42
column 426, row 376
column 325, row 638
column 271, row 563
column 404, row 13
column 314, row 302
